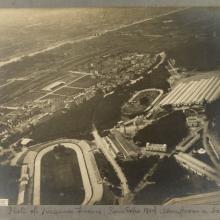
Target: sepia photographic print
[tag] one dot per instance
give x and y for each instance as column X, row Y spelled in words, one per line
column 109, row 105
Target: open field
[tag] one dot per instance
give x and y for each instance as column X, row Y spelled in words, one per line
column 85, row 82
column 179, row 43
column 21, row 91
column 69, row 91
column 37, row 29
column 61, row 181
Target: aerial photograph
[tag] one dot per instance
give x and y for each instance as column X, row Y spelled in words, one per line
column 110, row 106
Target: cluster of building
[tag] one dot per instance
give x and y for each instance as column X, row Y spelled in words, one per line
column 21, row 119
column 80, row 97
column 193, row 93
column 118, row 69
column 111, row 70
column 7, row 155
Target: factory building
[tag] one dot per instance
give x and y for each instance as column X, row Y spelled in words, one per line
column 119, row 146
column 193, row 93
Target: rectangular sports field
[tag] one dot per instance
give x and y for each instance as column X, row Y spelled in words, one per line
column 61, row 182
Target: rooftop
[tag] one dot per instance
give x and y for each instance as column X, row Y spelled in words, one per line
column 194, row 92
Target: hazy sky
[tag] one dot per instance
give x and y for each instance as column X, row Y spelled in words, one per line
column 85, row 3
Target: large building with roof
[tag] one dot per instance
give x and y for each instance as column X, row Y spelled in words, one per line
column 194, row 92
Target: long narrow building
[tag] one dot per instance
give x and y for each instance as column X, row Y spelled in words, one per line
column 172, row 94
column 187, row 96
column 193, row 92
column 209, row 86
column 199, row 91
column 212, row 90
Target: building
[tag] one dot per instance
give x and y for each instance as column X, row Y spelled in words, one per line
column 194, row 93
column 119, row 146
column 113, row 149
column 3, row 202
column 192, row 121
column 156, row 147
column 187, row 143
column 53, row 86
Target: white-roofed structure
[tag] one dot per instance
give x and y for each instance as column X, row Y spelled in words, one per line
column 196, row 93
column 209, row 85
column 193, row 92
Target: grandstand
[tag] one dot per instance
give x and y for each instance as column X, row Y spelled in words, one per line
column 23, row 183
column 195, row 92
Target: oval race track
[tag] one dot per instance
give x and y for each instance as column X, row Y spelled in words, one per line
column 89, row 172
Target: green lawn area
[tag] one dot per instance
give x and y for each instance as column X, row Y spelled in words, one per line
column 140, row 103
column 61, row 181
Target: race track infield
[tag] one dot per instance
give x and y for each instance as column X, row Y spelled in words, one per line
column 61, row 181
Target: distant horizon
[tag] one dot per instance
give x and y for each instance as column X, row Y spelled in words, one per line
column 104, row 3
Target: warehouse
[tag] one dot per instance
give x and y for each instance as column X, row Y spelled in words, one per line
column 195, row 92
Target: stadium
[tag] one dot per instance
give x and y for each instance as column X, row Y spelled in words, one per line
column 63, row 171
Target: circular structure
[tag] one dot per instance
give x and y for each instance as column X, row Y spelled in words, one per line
column 63, row 172
column 141, row 101
column 201, row 151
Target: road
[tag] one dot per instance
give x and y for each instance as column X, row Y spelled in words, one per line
column 144, row 182
column 208, row 147
column 198, row 167
column 6, row 84
column 212, row 198
column 93, row 171
column 101, row 144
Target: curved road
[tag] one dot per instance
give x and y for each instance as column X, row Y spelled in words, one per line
column 101, row 144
